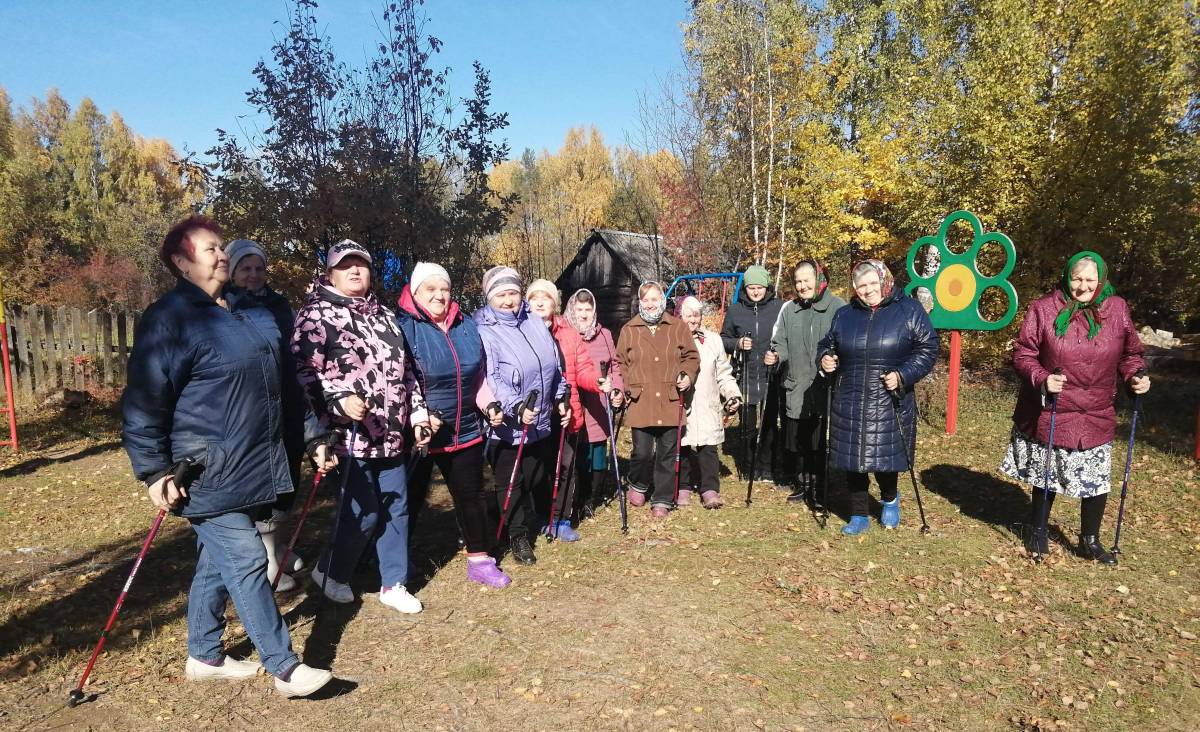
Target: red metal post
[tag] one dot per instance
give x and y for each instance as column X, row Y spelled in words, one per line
column 952, row 387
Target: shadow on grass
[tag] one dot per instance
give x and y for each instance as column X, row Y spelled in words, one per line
column 982, row 496
column 37, row 463
column 67, row 616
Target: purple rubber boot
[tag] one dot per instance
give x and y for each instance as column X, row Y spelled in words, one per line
column 486, row 572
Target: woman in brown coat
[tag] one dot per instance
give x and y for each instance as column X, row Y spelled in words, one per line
column 659, row 362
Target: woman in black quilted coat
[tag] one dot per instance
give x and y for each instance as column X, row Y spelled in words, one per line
column 879, row 347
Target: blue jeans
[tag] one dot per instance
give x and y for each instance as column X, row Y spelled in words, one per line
column 377, row 505
column 232, row 563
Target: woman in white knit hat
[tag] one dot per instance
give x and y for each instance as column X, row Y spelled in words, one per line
column 448, row 352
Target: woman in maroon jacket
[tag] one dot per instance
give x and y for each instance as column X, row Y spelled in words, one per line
column 1074, row 344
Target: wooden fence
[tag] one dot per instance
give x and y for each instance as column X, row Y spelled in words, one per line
column 54, row 348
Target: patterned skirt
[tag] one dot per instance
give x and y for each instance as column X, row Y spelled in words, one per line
column 1075, row 473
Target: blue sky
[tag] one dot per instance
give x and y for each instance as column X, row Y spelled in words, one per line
column 179, row 69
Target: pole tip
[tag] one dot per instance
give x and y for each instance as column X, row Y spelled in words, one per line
column 75, row 698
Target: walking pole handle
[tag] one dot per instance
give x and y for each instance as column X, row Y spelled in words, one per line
column 530, row 399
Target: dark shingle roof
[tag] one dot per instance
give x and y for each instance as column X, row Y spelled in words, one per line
column 642, row 253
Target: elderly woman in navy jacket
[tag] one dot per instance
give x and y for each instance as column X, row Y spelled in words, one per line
column 880, row 347
column 448, row 359
column 205, row 383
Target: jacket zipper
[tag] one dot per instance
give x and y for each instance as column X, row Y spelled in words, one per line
column 541, row 376
column 862, row 444
column 458, row 371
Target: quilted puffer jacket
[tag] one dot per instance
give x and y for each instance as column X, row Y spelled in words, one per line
column 450, row 368
column 580, row 372
column 896, row 335
column 1086, row 416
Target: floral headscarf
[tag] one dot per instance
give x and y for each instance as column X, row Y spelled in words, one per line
column 886, row 282
column 589, row 332
column 822, row 280
column 1089, row 309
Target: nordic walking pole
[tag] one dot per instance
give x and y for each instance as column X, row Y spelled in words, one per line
column 551, row 530
column 308, row 504
column 910, row 456
column 184, row 472
column 1041, row 531
column 612, row 436
column 1137, row 405
column 287, row 550
column 530, row 400
column 678, row 436
column 829, row 388
column 742, row 431
column 762, row 411
column 422, row 452
column 337, row 517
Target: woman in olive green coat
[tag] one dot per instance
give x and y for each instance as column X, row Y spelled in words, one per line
column 802, row 323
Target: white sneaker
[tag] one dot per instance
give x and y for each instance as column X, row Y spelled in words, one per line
column 399, row 598
column 297, row 562
column 304, row 681
column 286, row 583
column 334, row 590
column 230, row 668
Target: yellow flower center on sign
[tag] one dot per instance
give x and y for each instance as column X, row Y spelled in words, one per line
column 955, row 288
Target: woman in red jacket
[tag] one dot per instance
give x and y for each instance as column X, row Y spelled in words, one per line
column 581, row 373
column 1073, row 345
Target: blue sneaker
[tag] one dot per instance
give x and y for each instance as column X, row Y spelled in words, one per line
column 857, row 525
column 564, row 532
column 890, row 515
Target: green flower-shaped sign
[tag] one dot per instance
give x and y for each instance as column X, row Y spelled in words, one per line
column 957, row 284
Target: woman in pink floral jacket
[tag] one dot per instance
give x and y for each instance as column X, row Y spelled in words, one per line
column 352, row 363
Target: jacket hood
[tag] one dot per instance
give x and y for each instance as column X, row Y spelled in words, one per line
column 408, row 305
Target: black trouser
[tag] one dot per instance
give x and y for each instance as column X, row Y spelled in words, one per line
column 566, row 478
column 652, row 465
column 535, row 467
column 769, row 461
column 804, row 438
column 1091, row 511
column 463, row 472
column 701, row 468
column 857, row 483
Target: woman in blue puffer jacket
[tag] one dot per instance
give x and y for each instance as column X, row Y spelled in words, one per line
column 521, row 357
column 448, row 358
column 880, row 347
column 206, row 383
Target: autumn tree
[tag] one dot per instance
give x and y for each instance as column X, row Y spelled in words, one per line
column 377, row 153
column 84, row 201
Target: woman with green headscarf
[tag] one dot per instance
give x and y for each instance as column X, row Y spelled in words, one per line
column 1073, row 345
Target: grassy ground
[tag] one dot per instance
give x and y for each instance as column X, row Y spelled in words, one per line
column 742, row 618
